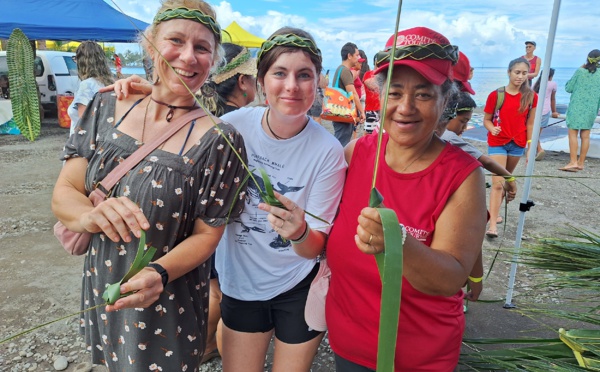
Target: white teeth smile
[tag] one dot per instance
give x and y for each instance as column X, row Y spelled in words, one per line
column 184, row 73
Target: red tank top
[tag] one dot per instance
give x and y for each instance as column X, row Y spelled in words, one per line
column 431, row 327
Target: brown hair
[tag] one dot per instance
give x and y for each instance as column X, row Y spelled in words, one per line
column 592, row 66
column 92, row 63
column 272, row 55
column 526, row 92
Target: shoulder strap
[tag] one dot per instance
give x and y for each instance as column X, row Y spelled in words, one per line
column 338, row 73
column 500, row 98
column 116, row 174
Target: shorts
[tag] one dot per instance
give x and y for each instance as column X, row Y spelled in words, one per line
column 344, row 365
column 284, row 312
column 509, row 149
column 545, row 120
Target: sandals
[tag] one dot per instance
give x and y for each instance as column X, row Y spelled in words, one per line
column 210, row 356
column 540, row 155
column 491, row 233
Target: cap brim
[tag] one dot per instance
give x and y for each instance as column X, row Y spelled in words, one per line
column 466, row 87
column 431, row 74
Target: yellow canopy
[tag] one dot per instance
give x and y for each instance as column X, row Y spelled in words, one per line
column 235, row 34
column 70, row 46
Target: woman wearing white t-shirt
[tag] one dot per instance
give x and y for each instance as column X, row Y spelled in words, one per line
column 549, row 108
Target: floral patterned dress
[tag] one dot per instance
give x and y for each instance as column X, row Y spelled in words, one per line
column 172, row 191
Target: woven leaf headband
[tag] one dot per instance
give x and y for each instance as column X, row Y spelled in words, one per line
column 240, row 64
column 195, row 15
column 291, row 40
column 594, row 60
column 418, row 53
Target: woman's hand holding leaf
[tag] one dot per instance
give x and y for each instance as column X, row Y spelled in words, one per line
column 288, row 220
column 369, row 233
column 144, row 288
column 116, row 218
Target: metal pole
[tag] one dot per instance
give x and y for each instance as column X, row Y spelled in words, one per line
column 526, row 204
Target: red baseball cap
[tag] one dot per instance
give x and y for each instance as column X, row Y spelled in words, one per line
column 461, row 72
column 435, row 69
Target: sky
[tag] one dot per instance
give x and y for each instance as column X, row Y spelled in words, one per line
column 490, row 32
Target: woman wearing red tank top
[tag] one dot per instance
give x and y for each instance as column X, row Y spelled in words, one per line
column 432, row 186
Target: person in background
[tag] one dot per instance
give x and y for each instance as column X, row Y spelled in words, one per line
column 372, row 104
column 548, row 109
column 431, row 185
column 182, row 195
column 118, row 65
column 452, row 125
column 233, row 85
column 317, row 107
column 267, row 258
column 359, row 86
column 94, row 73
column 510, row 130
column 584, row 104
column 350, row 56
column 535, row 62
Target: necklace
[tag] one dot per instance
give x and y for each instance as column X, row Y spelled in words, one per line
column 417, row 158
column 283, row 138
column 172, row 108
column 231, row 104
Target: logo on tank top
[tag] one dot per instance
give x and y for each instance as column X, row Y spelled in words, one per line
column 419, row 234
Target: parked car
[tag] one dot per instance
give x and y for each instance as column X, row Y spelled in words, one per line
column 55, row 73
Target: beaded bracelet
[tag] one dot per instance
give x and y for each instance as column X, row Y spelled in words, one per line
column 302, row 237
column 475, row 280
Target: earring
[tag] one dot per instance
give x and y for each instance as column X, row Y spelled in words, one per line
column 156, row 82
column 245, row 94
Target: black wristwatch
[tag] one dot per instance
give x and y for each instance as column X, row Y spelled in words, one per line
column 161, row 270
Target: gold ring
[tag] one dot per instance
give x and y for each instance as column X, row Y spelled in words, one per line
column 282, row 222
column 295, row 206
column 370, row 239
column 276, row 228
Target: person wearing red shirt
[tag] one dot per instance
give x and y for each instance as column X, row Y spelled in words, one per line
column 372, row 104
column 510, row 130
column 431, row 185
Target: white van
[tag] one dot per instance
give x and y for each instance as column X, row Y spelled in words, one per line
column 55, row 73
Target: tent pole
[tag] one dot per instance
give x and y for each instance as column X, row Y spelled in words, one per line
column 526, row 204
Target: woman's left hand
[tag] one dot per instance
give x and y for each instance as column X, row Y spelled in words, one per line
column 147, row 287
column 369, row 233
column 289, row 223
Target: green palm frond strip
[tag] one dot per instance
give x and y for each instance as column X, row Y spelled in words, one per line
column 23, row 90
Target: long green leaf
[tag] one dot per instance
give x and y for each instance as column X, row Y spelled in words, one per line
column 389, row 263
column 23, row 89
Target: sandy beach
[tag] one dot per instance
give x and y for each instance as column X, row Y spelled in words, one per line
column 40, row 282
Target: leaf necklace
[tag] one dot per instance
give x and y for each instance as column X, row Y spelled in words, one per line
column 283, row 138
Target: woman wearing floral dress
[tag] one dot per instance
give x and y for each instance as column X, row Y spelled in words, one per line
column 181, row 194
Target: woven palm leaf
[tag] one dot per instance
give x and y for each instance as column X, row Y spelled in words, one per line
column 23, row 91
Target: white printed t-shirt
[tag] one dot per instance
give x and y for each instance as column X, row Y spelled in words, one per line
column 253, row 262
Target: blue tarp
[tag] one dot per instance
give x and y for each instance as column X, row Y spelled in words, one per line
column 76, row 20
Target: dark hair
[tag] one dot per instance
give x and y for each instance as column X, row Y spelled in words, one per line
column 269, row 57
column 216, row 95
column 591, row 67
column 525, row 90
column 365, row 65
column 348, row 48
column 538, row 82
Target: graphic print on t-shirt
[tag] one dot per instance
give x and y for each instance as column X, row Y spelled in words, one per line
column 258, row 222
